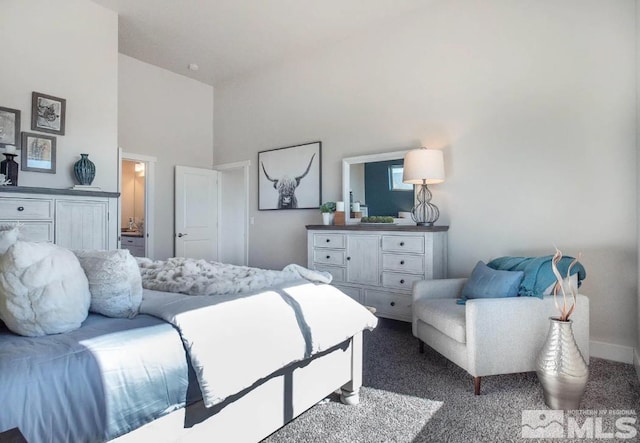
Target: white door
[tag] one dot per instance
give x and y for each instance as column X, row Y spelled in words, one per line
column 196, row 217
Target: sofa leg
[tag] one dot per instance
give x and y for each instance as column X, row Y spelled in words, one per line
column 476, row 385
column 421, row 346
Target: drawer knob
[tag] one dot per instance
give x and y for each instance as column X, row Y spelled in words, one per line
column 392, row 303
column 328, row 240
column 328, row 257
column 20, row 208
column 348, row 258
column 401, row 243
column 402, row 281
column 402, row 262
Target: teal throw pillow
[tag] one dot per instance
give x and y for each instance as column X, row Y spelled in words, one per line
column 486, row 282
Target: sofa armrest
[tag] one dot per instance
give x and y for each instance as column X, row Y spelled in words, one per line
column 442, row 288
column 504, row 335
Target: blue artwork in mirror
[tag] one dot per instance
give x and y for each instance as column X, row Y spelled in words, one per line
column 379, row 194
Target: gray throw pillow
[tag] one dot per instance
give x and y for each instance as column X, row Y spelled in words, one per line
column 114, row 282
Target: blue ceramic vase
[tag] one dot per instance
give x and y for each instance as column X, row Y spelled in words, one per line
column 84, row 170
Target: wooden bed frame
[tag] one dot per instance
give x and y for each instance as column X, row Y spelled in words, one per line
column 269, row 404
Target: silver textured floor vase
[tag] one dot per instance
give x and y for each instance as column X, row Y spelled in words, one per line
column 561, row 368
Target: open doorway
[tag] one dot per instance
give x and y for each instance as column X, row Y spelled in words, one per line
column 233, row 213
column 136, row 204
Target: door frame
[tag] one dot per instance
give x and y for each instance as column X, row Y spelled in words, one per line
column 149, row 197
column 245, row 166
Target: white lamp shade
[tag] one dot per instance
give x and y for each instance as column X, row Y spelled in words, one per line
column 423, row 166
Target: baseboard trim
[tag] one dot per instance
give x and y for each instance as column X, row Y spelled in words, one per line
column 610, row 351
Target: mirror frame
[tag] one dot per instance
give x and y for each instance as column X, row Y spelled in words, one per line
column 346, row 172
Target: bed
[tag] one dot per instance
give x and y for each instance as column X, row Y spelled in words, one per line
column 224, row 368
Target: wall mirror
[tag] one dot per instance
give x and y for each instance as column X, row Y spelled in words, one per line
column 375, row 181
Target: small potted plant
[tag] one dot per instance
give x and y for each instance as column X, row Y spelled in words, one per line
column 328, row 209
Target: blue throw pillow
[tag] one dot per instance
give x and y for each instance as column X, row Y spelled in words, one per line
column 486, row 282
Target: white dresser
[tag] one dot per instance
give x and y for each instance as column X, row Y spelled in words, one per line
column 72, row 219
column 377, row 266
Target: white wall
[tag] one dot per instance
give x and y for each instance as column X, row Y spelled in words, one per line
column 68, row 49
column 170, row 117
column 637, row 350
column 533, row 103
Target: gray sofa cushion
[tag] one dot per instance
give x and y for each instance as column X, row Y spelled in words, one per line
column 444, row 315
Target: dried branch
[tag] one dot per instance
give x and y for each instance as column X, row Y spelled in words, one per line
column 563, row 283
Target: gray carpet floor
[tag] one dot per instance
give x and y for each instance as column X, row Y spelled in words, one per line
column 412, row 397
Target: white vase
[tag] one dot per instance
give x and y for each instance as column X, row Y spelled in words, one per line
column 326, row 218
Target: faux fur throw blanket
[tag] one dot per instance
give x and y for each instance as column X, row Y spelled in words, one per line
column 201, row 277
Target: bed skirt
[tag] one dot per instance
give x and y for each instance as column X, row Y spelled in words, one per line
column 269, row 404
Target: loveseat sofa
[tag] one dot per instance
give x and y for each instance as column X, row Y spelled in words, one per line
column 488, row 336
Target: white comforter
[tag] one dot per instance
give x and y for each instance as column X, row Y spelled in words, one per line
column 235, row 340
column 201, row 277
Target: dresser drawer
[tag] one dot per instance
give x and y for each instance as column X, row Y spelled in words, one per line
column 403, row 243
column 397, row 280
column 132, row 241
column 36, row 232
column 403, row 263
column 336, row 272
column 354, row 293
column 25, row 209
column 391, row 305
column 335, row 241
column 329, row 257
column 136, row 251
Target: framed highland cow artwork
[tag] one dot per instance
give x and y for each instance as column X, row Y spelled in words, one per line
column 290, row 178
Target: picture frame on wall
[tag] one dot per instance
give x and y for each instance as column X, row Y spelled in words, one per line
column 48, row 113
column 38, row 153
column 9, row 127
column 290, row 177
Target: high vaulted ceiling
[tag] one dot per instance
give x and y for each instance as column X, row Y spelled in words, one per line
column 227, row 38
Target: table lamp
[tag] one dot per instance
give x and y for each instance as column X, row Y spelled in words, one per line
column 424, row 167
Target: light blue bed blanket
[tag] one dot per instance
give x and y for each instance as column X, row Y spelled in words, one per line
column 538, row 274
column 95, row 383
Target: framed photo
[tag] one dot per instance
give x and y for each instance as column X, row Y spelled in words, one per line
column 48, row 113
column 9, row 127
column 290, row 178
column 38, row 153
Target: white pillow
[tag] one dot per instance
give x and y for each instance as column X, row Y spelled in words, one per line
column 43, row 289
column 8, row 236
column 114, row 282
